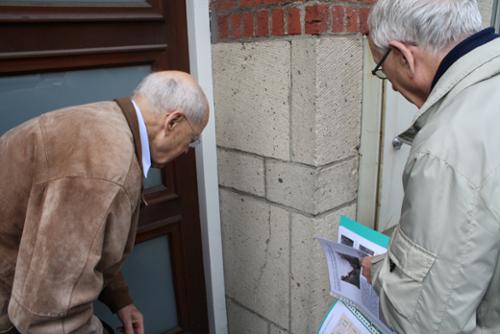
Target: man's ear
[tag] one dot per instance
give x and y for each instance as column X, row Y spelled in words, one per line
column 406, row 55
column 171, row 120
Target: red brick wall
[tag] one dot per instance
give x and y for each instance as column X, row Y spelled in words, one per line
column 250, row 19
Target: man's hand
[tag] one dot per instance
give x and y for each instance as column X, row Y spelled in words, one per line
column 132, row 319
column 366, row 264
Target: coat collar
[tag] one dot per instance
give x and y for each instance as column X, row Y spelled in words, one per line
column 464, row 47
column 128, row 111
column 463, row 73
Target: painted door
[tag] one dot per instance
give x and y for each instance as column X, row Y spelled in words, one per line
column 385, row 115
column 58, row 53
column 397, row 117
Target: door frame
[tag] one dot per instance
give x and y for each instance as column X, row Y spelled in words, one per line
column 370, row 148
column 197, row 15
column 200, row 59
column 495, row 15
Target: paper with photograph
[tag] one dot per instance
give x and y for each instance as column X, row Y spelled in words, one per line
column 344, row 267
column 344, row 257
column 343, row 319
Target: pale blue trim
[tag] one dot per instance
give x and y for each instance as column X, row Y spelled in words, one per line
column 143, row 132
column 366, row 232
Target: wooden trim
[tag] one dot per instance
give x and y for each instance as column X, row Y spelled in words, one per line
column 83, row 52
column 179, row 275
column 76, row 62
column 13, row 12
column 72, row 59
column 155, row 229
column 176, row 330
column 185, row 169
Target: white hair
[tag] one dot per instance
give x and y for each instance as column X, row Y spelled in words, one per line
column 431, row 24
column 167, row 92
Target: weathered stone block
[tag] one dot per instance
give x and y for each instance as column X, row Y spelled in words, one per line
column 241, row 171
column 310, row 189
column 242, row 321
column 310, row 288
column 326, row 98
column 276, row 330
column 256, row 255
column 252, row 88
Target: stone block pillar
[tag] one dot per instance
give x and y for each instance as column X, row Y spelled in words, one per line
column 288, row 90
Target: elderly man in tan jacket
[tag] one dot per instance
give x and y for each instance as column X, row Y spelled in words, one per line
column 71, row 183
column 442, row 271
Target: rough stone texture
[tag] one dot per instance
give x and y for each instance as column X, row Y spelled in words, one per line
column 251, row 97
column 310, row 286
column 242, row 321
column 241, row 171
column 326, row 98
column 276, row 330
column 256, row 255
column 309, row 189
column 486, row 6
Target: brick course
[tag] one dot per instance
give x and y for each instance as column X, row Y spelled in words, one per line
column 235, row 20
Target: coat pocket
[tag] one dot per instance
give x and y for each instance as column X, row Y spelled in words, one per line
column 404, row 274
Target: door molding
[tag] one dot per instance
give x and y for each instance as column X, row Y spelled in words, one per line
column 495, row 20
column 200, row 58
column 371, row 134
column 103, row 36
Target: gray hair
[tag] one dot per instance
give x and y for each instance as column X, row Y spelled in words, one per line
column 431, row 24
column 167, row 92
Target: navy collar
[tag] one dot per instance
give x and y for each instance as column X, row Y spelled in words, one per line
column 464, row 47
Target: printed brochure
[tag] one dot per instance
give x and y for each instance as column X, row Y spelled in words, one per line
column 357, row 299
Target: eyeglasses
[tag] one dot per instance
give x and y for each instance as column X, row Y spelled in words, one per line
column 378, row 71
column 195, row 139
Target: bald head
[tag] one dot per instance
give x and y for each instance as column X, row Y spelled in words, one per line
column 173, row 90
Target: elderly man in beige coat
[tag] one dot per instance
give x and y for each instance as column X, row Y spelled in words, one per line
column 442, row 271
column 70, row 187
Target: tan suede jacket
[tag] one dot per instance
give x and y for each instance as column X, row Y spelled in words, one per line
column 70, row 185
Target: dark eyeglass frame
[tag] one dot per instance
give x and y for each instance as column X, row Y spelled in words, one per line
column 195, row 139
column 378, row 70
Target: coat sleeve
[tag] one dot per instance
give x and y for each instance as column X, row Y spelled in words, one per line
column 75, row 233
column 115, row 294
column 442, row 256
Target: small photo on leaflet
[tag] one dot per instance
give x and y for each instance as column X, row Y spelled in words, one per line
column 353, row 269
column 346, row 241
column 366, row 250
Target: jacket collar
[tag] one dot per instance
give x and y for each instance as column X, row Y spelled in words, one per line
column 464, row 47
column 463, row 73
column 128, row 111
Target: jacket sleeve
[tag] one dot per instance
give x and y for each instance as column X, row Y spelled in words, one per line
column 115, row 294
column 75, row 233
column 442, row 256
